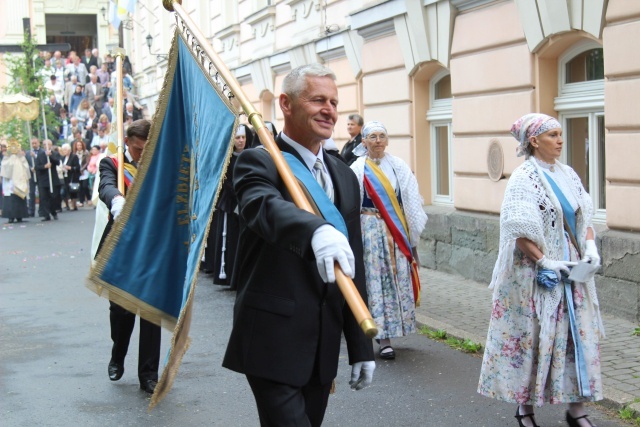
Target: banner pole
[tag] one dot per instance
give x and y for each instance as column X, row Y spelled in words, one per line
column 119, row 54
column 348, row 289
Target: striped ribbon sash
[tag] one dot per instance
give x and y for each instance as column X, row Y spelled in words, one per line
column 381, row 193
column 129, row 171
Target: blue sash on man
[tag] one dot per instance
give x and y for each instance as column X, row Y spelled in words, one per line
column 322, row 202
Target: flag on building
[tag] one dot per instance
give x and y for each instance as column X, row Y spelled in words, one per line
column 118, row 10
column 150, row 259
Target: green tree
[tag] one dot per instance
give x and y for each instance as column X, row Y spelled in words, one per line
column 25, row 70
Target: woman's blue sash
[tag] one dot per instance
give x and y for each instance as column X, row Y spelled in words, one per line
column 581, row 366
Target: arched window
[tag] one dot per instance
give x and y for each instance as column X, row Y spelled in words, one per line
column 580, row 103
column 439, row 117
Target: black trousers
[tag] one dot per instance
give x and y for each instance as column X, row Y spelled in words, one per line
column 122, row 322
column 282, row 405
column 32, row 198
column 48, row 202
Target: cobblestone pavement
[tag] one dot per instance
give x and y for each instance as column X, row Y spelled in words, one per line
column 462, row 307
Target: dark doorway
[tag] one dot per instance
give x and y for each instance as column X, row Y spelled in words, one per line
column 80, row 31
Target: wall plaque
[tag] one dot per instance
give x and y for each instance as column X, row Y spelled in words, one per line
column 495, row 161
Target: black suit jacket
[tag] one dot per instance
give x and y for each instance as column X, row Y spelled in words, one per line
column 347, row 150
column 108, row 189
column 285, row 318
column 31, row 159
column 43, row 173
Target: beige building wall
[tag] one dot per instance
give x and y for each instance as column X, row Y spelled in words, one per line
column 622, row 114
column 385, row 54
column 492, row 86
column 386, row 93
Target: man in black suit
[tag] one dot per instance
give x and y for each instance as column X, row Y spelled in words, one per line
column 354, row 127
column 48, row 181
column 289, row 313
column 123, row 321
column 31, row 157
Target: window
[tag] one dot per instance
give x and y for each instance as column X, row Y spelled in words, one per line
column 584, row 146
column 439, row 117
column 586, row 66
column 580, row 103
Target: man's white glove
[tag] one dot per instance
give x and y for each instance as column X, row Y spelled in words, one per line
column 591, row 253
column 362, row 374
column 329, row 245
column 116, row 206
column 557, row 266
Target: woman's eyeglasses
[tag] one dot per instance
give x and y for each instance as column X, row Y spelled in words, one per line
column 373, row 138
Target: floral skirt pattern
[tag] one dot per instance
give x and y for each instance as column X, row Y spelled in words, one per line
column 390, row 294
column 521, row 364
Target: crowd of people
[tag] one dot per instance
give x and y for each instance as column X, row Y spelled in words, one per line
column 80, row 91
column 543, row 340
column 60, row 167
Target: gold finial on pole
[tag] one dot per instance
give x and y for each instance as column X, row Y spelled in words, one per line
column 168, row 4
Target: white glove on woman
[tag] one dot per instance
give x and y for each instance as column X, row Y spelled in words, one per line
column 330, row 245
column 362, row 374
column 117, row 203
column 557, row 266
column 591, row 253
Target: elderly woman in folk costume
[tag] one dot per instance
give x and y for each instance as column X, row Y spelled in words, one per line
column 15, row 174
column 392, row 218
column 543, row 339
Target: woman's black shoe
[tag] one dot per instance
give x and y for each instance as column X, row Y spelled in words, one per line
column 520, row 417
column 573, row 422
column 387, row 355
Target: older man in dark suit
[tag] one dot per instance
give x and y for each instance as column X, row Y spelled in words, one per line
column 48, row 181
column 31, row 157
column 289, row 313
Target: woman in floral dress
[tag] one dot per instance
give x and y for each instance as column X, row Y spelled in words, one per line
column 389, row 241
column 531, row 356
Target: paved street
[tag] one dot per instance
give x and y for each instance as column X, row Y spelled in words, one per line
column 55, row 346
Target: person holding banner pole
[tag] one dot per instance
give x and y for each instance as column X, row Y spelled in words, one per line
column 122, row 321
column 48, row 180
column 289, row 313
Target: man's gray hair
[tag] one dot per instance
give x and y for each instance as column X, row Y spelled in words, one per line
column 357, row 118
column 295, row 81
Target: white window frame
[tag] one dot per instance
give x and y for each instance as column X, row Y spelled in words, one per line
column 440, row 114
column 582, row 99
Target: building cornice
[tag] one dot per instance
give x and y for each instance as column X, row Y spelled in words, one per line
column 377, row 14
column 463, row 5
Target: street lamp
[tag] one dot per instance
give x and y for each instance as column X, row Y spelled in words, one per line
column 159, row 56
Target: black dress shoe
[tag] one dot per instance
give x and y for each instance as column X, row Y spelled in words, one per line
column 520, row 417
column 55, row 217
column 115, row 371
column 46, row 218
column 573, row 422
column 148, row 386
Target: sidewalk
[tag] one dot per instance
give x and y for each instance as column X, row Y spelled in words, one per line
column 462, row 307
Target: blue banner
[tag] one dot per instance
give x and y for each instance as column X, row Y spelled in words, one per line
column 149, row 262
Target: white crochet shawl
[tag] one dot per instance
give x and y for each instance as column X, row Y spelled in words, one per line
column 411, row 199
column 531, row 210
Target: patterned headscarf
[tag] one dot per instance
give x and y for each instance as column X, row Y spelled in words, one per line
column 530, row 125
column 373, row 126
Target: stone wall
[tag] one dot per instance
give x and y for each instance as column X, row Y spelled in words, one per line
column 466, row 244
